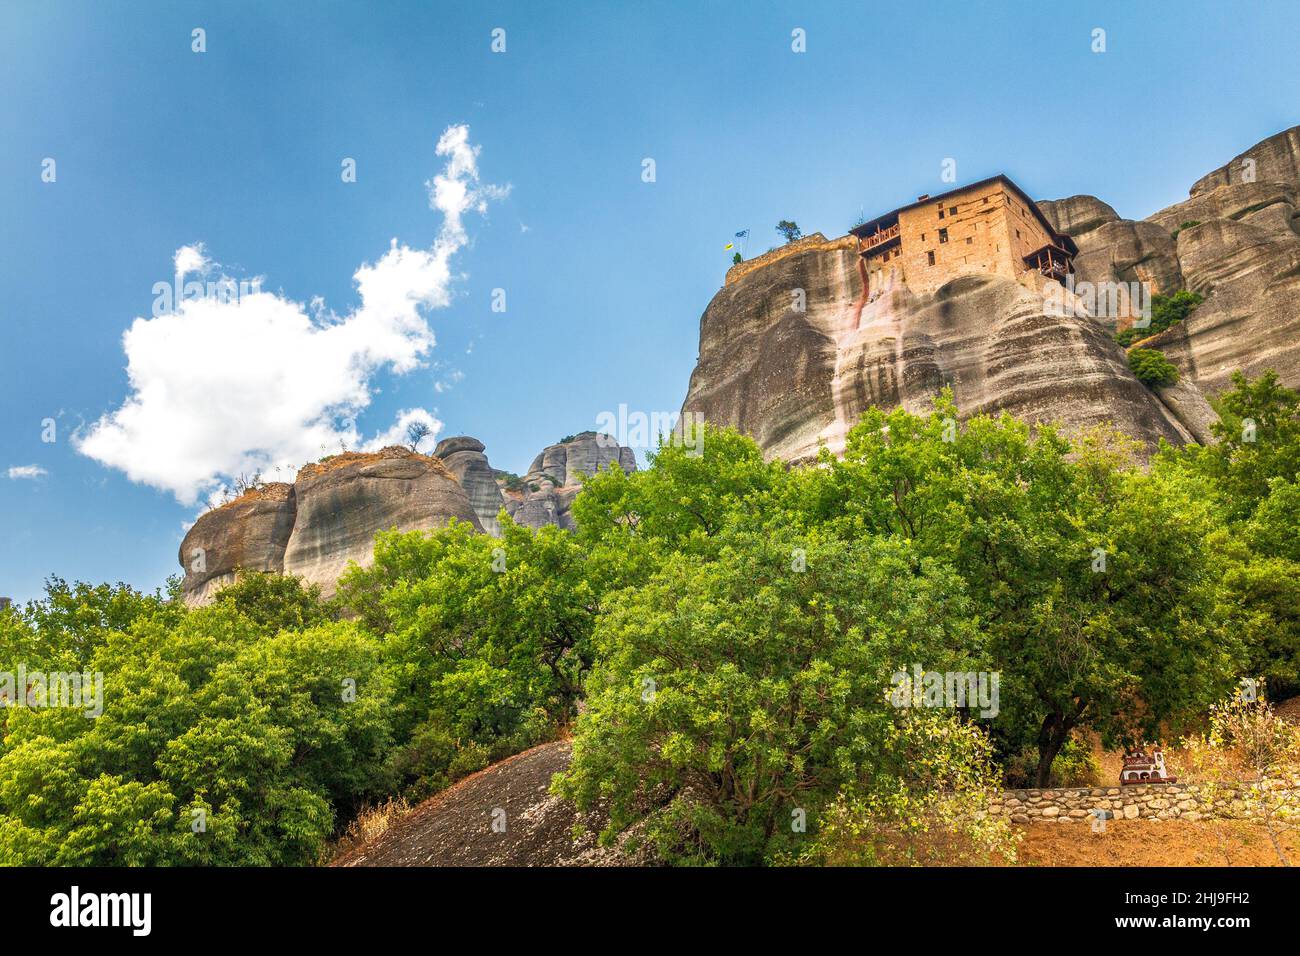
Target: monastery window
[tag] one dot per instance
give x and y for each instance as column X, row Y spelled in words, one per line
column 952, row 211
column 986, row 200
column 969, row 240
column 940, row 212
column 930, row 256
column 943, row 235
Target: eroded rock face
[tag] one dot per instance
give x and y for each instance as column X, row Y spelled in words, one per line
column 344, row 501
column 1250, row 319
column 329, row 516
column 1126, row 252
column 545, row 495
column 796, row 381
column 1276, row 159
column 1191, row 408
column 767, row 369
column 249, row 533
column 465, row 459
column 1077, row 215
column 1236, row 241
column 584, row 454
column 326, row 518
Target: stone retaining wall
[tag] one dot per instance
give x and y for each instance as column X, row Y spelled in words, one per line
column 1149, row 802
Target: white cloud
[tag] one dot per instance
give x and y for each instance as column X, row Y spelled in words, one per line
column 18, row 472
column 453, row 378
column 190, row 259
column 224, row 388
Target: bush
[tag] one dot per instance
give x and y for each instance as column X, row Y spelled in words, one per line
column 936, row 816
column 1152, row 368
column 1166, row 311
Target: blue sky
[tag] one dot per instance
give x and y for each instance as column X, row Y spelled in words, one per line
column 239, row 148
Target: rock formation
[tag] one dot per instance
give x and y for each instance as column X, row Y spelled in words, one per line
column 249, row 533
column 464, row 458
column 796, row 371
column 325, row 519
column 796, row 380
column 344, row 501
column 1235, row 240
column 545, row 495
column 329, row 516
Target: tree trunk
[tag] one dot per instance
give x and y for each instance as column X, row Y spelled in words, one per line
column 1051, row 738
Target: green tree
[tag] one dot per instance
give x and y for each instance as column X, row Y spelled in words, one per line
column 486, row 640
column 789, row 230
column 730, row 695
column 1093, row 619
column 1259, row 597
column 76, row 618
column 276, row 602
column 219, row 741
column 1258, row 435
column 1152, row 368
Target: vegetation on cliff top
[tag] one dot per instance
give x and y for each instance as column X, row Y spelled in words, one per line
column 1166, row 312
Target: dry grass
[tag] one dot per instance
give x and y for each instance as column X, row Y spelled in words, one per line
column 271, row 491
column 343, row 459
column 1151, row 843
column 370, row 824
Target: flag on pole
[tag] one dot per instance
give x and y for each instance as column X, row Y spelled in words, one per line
column 728, row 245
column 742, row 234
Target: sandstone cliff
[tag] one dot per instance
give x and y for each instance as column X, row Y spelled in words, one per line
column 326, row 518
column 796, row 380
column 249, row 533
column 545, row 495
column 330, row 514
column 343, row 502
column 1235, row 240
column 465, row 459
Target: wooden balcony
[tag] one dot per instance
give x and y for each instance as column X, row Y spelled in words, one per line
column 877, row 238
column 1052, row 261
